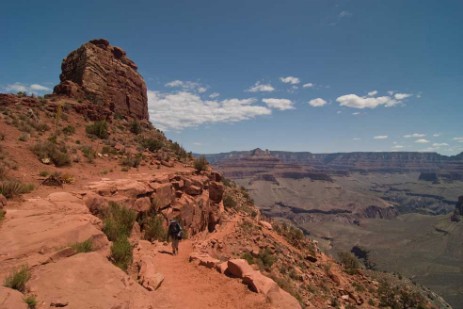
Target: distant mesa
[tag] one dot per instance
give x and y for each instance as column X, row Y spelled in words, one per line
column 103, row 74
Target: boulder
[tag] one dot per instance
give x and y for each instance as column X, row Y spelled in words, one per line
column 148, row 277
column 216, row 190
column 91, row 275
column 282, row 299
column 266, row 225
column 104, row 75
column 95, row 203
column 194, row 190
column 204, row 259
column 163, row 194
column 142, row 204
column 238, row 268
column 259, row 283
column 10, row 298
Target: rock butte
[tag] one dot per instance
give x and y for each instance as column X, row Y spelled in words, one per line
column 102, row 73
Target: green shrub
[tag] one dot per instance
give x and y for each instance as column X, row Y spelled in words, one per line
column 89, row 153
column 17, row 280
column 229, row 202
column 151, row 144
column 248, row 257
column 84, row 246
column 154, row 229
column 23, row 137
column 49, row 150
column 98, row 129
column 265, row 259
column 44, row 173
column 118, row 222
column 69, row 130
column 292, row 234
column 31, row 301
column 132, row 160
column 135, row 127
column 200, row 164
column 121, row 253
column 350, row 262
column 13, row 188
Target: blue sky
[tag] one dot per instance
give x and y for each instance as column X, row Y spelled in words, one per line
column 319, row 76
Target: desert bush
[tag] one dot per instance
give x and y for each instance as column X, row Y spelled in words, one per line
column 292, row 234
column 248, row 257
column 229, row 202
column 44, row 173
column 350, row 262
column 265, row 259
column 135, row 127
column 398, row 297
column 132, row 160
column 23, row 137
column 18, row 279
column 154, row 229
column 89, row 153
column 121, row 253
column 31, row 301
column 57, row 154
column 2, row 214
column 179, row 151
column 69, row 130
column 84, row 246
column 11, row 188
column 151, row 144
column 118, row 221
column 98, row 129
column 200, row 164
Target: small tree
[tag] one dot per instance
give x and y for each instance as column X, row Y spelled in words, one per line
column 200, row 164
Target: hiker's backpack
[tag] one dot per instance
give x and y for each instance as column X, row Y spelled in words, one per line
column 175, row 230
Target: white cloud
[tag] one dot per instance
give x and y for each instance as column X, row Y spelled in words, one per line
column 415, row 135
column 38, row 87
column 381, row 137
column 458, row 139
column 355, row 101
column 395, row 147
column 187, row 86
column 20, row 87
column 372, row 93
column 281, row 104
column 318, row 102
column 177, row 111
column 258, row 87
column 437, row 145
column 436, row 134
column 345, row 14
column 356, row 113
column 356, row 138
column 422, row 141
column 214, row 95
column 308, row 85
column 290, row 80
column 401, row 96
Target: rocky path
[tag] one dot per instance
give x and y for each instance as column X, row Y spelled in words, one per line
column 188, row 285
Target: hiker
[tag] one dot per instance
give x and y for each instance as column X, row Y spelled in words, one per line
column 175, row 233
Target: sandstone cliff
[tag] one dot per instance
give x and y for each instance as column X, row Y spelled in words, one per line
column 103, row 74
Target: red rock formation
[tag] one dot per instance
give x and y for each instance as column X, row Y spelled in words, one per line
column 103, row 74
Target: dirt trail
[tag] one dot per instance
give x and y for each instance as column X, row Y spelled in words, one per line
column 187, row 285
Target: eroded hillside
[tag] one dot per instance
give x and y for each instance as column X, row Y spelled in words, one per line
column 89, row 185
